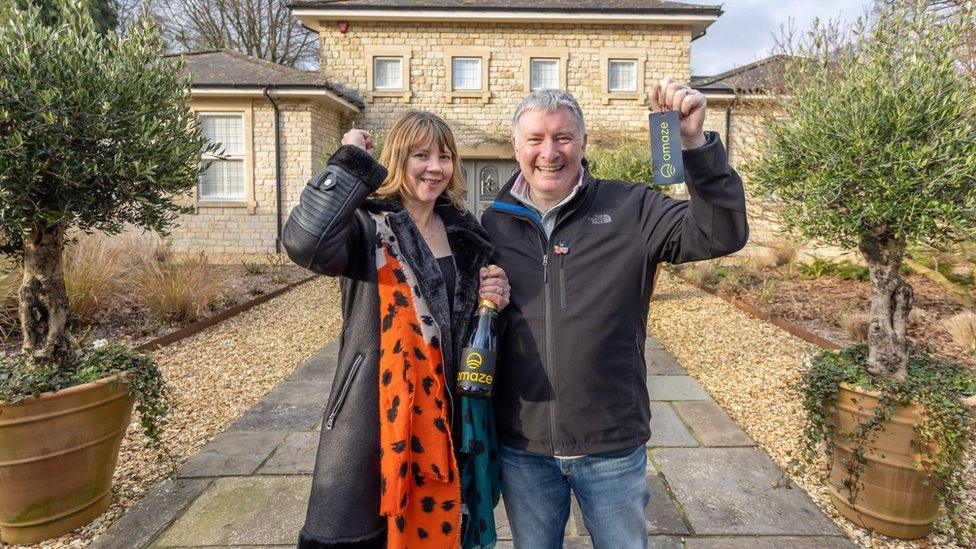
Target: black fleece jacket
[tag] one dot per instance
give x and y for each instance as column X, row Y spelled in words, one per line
column 571, row 377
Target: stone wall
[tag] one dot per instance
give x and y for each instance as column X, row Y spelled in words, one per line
column 308, row 132
column 345, row 59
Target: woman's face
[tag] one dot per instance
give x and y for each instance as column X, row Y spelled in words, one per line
column 429, row 170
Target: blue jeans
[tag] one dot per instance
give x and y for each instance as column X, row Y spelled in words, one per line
column 611, row 489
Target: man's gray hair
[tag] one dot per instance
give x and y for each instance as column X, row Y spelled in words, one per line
column 549, row 99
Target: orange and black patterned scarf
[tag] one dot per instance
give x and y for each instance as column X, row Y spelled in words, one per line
column 420, row 485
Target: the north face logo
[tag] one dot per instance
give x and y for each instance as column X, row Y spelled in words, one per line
column 600, row 219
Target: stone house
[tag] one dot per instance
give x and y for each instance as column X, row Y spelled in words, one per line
column 471, row 63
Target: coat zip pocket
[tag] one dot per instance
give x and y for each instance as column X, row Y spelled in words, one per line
column 341, row 397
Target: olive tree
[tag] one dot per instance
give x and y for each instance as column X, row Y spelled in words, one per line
column 96, row 134
column 876, row 151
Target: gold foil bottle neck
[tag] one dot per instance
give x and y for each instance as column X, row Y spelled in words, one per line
column 485, row 302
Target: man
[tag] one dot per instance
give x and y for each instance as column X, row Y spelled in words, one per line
column 570, row 396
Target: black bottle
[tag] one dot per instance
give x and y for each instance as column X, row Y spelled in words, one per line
column 477, row 368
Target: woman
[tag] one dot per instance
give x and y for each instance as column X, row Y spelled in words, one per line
column 389, row 470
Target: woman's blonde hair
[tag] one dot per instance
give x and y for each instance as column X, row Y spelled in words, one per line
column 411, row 130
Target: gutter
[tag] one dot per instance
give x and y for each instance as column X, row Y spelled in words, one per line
column 728, row 130
column 277, row 125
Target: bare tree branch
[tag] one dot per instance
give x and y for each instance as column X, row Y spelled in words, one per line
column 262, row 28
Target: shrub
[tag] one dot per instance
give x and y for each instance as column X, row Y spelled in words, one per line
column 278, row 266
column 844, row 270
column 628, row 161
column 19, row 380
column 783, row 251
column 706, row 273
column 94, row 271
column 178, row 291
column 252, row 268
column 855, row 325
column 9, row 285
column 962, row 328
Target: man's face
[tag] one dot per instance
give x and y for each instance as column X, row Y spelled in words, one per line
column 549, row 150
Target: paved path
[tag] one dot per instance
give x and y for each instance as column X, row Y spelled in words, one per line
column 711, row 486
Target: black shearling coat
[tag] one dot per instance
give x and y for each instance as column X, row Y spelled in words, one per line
column 331, row 233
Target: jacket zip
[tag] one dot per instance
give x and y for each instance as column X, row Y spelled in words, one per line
column 341, row 398
column 550, row 344
column 544, row 242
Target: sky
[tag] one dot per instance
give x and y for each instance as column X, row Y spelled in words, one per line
column 744, row 33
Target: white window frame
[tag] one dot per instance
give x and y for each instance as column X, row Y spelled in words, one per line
column 548, row 60
column 454, row 73
column 222, row 155
column 610, row 64
column 401, row 52
column 561, row 55
column 484, row 56
column 395, row 86
column 639, row 57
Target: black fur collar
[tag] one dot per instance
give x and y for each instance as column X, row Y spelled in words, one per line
column 471, row 251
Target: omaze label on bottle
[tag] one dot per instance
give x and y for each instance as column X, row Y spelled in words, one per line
column 476, row 372
column 666, row 148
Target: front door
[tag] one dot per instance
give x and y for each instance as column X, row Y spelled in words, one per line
column 485, row 177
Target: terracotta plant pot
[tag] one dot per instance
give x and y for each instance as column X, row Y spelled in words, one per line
column 57, row 456
column 895, row 498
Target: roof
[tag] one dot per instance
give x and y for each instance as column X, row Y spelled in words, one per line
column 233, row 70
column 630, row 6
column 696, row 17
column 763, row 76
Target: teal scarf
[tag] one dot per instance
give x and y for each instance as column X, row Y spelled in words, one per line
column 480, row 468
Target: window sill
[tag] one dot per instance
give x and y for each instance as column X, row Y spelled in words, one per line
column 403, row 94
column 240, row 204
column 624, row 96
column 484, row 95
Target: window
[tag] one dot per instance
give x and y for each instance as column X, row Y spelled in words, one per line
column 466, row 73
column 224, row 178
column 544, row 74
column 545, row 68
column 623, row 75
column 466, row 70
column 387, row 73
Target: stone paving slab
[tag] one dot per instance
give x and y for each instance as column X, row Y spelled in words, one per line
column 711, row 424
column 295, row 456
column 152, row 514
column 739, row 491
column 661, row 362
column 261, row 511
column 232, row 454
column 667, row 429
column 670, row 387
column 769, row 542
column 661, row 514
column 320, row 367
column 304, row 392
column 268, row 416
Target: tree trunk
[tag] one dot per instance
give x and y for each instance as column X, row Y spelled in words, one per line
column 44, row 299
column 891, row 301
